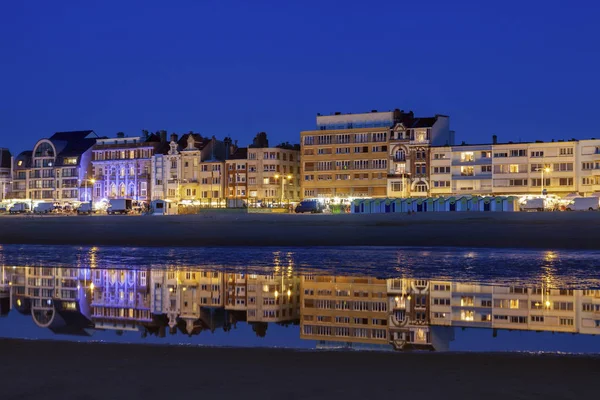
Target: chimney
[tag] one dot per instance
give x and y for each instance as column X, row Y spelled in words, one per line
column 163, row 136
column 173, row 137
column 120, row 135
column 494, row 139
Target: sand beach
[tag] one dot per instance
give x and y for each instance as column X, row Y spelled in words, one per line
column 566, row 230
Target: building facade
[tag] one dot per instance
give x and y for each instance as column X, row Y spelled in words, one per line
column 190, row 171
column 122, row 166
column 409, row 152
column 57, row 170
column 538, row 168
column 5, row 173
column 377, row 154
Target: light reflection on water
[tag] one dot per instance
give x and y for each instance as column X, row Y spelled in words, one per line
column 383, row 299
column 564, row 269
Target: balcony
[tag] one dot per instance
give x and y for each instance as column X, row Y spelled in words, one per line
column 474, row 161
column 467, row 176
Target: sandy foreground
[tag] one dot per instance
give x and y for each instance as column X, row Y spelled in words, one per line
column 566, row 230
column 62, row 370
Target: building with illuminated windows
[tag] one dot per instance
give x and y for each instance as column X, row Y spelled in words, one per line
column 57, row 170
column 5, row 173
column 376, row 154
column 122, row 166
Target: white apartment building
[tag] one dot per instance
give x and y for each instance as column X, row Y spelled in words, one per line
column 513, row 307
column 465, row 169
column 534, row 168
column 588, row 166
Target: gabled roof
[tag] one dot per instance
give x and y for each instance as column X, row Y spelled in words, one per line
column 241, row 153
column 25, row 157
column 424, row 122
column 73, row 136
column 4, row 158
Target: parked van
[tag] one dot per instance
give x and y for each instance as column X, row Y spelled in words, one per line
column 85, row 209
column 584, row 204
column 311, row 206
column 533, row 205
column 19, row 208
column 120, row 206
column 44, row 208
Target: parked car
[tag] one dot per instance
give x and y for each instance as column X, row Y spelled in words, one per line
column 20, row 208
column 310, row 206
column 584, row 204
column 120, row 206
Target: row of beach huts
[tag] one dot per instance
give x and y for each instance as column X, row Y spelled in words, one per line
column 428, row 204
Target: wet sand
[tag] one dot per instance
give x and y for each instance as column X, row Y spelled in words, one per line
column 567, row 230
column 62, row 370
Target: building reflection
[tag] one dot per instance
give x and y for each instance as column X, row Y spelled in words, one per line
column 333, row 311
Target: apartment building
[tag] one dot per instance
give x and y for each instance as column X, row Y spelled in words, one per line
column 273, row 298
column 236, row 178
column 185, row 297
column 533, row 168
column 376, row 154
column 120, row 299
column 56, row 298
column 5, row 173
column 477, row 305
column 190, row 171
column 122, row 166
column 463, row 169
column 409, row 150
column 346, row 156
column 57, row 170
column 344, row 309
column 588, row 167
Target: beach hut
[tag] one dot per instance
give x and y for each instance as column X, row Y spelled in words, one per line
column 377, row 206
column 462, row 203
column 163, row 207
column 397, row 205
column 498, row 203
column 510, row 204
column 430, row 204
column 485, row 203
column 439, row 203
column 450, row 204
column 389, row 206
column 358, row 206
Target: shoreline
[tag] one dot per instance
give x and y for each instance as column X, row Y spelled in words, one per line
column 551, row 231
column 158, row 371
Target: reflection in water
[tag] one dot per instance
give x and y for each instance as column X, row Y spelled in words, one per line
column 334, row 311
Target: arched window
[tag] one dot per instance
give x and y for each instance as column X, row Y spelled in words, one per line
column 44, row 150
column 400, row 155
column 122, row 190
column 421, row 187
column 113, row 190
column 131, row 190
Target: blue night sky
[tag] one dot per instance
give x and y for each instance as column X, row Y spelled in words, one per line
column 522, row 70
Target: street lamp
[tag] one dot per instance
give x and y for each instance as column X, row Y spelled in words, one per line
column 92, row 181
column 289, row 177
column 542, row 170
